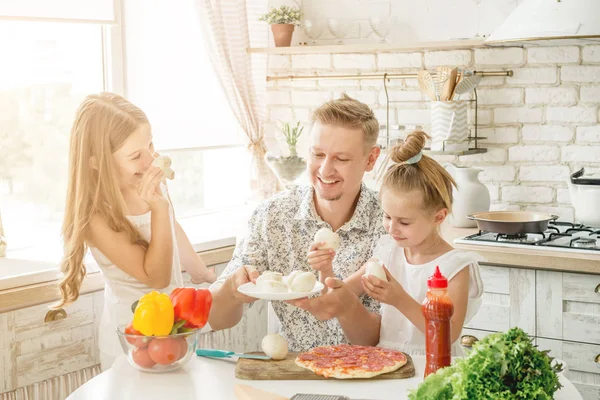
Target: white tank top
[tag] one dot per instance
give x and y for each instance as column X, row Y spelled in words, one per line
column 397, row 331
column 121, row 289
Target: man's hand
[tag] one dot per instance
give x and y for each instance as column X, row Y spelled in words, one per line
column 321, row 260
column 390, row 292
column 242, row 275
column 335, row 301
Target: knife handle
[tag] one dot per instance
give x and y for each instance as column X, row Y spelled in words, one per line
column 214, row 353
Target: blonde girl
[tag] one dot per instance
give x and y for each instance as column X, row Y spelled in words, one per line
column 118, row 207
column 416, row 197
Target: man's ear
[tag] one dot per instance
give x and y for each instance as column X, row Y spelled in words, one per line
column 93, row 162
column 373, row 156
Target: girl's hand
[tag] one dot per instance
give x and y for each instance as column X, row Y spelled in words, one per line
column 149, row 188
column 321, row 260
column 390, row 292
column 206, row 276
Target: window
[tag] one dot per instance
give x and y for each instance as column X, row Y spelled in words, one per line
column 47, row 68
column 169, row 75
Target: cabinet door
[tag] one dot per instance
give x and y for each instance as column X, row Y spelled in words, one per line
column 582, row 363
column 568, row 306
column 508, row 300
column 49, row 344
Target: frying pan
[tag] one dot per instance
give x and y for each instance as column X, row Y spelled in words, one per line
column 512, row 222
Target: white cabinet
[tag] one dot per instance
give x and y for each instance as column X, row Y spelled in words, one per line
column 508, row 300
column 36, row 345
column 582, row 362
column 560, row 310
column 568, row 306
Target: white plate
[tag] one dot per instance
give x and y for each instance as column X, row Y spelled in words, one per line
column 250, row 289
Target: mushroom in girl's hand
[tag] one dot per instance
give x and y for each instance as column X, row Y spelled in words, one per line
column 275, row 346
column 375, row 268
column 303, row 282
column 164, row 163
column 331, row 239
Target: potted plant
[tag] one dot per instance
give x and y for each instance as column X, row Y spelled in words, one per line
column 283, row 21
column 288, row 168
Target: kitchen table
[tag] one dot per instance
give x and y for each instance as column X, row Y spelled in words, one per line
column 214, row 379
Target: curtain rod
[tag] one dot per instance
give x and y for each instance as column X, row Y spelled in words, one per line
column 372, row 76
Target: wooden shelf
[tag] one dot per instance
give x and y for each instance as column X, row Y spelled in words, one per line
column 455, row 153
column 372, row 48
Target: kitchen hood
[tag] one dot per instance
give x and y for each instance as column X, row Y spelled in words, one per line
column 542, row 20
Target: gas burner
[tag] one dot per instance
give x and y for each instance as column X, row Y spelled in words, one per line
column 516, row 236
column 586, row 242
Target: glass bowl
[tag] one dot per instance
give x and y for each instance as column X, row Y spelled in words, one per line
column 158, row 353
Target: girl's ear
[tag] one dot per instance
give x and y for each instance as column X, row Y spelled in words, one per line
column 93, row 162
column 440, row 216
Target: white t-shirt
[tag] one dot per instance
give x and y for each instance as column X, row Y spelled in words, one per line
column 397, row 331
column 122, row 289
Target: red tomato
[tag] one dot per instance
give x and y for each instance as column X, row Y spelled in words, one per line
column 142, row 358
column 184, row 347
column 141, row 341
column 164, row 351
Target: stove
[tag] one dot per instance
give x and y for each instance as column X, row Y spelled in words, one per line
column 560, row 236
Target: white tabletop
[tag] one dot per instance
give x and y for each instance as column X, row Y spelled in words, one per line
column 204, row 378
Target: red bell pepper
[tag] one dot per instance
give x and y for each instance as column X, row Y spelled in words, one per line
column 191, row 305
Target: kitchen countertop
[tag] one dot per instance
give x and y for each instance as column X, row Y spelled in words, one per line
column 526, row 256
column 204, row 378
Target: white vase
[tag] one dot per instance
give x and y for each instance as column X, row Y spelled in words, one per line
column 471, row 196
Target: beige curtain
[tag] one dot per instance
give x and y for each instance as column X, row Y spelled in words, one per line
column 229, row 28
column 58, row 388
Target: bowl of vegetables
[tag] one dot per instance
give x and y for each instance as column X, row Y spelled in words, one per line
column 163, row 334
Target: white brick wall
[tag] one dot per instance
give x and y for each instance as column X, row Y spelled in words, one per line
column 512, row 56
column 399, row 60
column 543, row 173
column 533, row 153
column 572, row 114
column 531, row 76
column 541, row 124
column 546, row 133
column 456, row 58
column 553, row 55
column 527, row 194
column 588, row 134
column 559, row 96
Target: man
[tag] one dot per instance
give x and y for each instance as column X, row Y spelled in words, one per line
column 281, row 230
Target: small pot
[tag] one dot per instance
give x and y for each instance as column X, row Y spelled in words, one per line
column 585, row 196
column 282, row 34
column 512, row 222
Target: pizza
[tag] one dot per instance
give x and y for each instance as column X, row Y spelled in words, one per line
column 351, row 362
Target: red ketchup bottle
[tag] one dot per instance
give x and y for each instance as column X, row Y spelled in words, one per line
column 437, row 310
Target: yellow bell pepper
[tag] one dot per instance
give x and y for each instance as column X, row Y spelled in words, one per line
column 154, row 314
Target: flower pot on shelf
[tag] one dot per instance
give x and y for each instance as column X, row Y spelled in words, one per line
column 287, row 168
column 282, row 34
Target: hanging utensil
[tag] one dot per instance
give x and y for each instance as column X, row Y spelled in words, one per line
column 467, row 84
column 442, row 74
column 448, row 86
column 427, row 84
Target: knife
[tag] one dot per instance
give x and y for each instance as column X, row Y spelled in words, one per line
column 228, row 354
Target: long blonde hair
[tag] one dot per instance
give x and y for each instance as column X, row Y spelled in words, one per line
column 426, row 175
column 102, row 123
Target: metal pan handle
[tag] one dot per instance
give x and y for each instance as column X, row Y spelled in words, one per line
column 554, row 217
column 471, row 216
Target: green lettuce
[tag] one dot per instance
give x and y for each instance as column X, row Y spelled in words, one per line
column 501, row 366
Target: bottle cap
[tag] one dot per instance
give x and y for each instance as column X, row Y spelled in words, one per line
column 437, row 280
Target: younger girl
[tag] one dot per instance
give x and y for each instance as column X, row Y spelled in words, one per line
column 118, row 207
column 416, row 197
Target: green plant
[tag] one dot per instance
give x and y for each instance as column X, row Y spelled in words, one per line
column 282, row 15
column 501, row 366
column 291, row 135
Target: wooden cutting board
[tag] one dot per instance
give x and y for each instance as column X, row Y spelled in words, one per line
column 261, row 370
